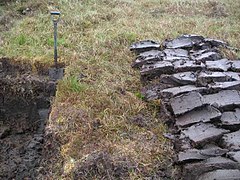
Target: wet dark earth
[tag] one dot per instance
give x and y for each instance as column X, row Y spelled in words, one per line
column 199, row 89
column 25, row 101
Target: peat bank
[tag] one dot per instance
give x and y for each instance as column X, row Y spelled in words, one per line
column 25, row 102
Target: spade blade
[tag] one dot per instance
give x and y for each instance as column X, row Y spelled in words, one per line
column 56, row 73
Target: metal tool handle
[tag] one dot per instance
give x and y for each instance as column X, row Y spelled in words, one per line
column 55, row 13
column 55, row 16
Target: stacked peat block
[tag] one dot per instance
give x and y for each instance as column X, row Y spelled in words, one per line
column 200, row 94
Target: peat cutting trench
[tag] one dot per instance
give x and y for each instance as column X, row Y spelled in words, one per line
column 199, row 91
column 24, row 108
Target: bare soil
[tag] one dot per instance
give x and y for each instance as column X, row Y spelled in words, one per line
column 24, row 108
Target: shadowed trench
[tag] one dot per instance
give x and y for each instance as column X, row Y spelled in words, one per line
column 25, row 101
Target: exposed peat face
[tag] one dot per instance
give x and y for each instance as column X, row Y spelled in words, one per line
column 25, row 101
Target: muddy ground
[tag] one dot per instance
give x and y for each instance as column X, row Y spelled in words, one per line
column 25, row 99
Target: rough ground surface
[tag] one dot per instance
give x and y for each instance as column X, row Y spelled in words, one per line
column 24, row 108
column 199, row 89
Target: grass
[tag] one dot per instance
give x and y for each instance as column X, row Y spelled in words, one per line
column 93, row 112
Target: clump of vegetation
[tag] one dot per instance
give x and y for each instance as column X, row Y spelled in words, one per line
column 96, row 101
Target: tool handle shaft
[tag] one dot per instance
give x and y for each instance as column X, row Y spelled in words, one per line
column 55, row 44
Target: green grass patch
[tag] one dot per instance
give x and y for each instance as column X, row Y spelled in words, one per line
column 21, row 39
column 72, row 84
column 139, row 95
